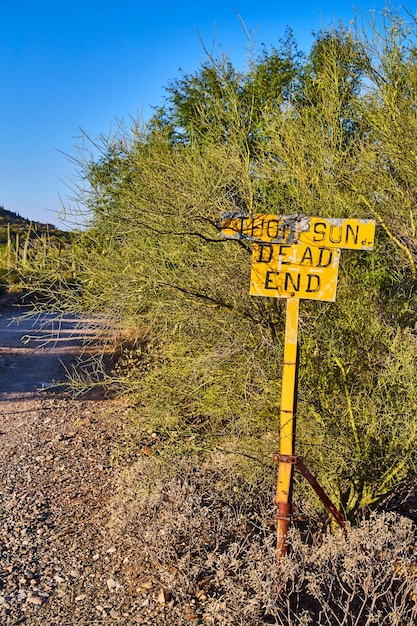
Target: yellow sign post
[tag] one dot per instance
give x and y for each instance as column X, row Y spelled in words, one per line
column 295, row 257
column 283, row 496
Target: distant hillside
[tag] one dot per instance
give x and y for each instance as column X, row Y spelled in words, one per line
column 12, row 224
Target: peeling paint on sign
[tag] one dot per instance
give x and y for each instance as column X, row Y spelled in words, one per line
column 260, row 227
column 350, row 233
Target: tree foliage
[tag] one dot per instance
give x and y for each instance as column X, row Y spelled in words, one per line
column 330, row 134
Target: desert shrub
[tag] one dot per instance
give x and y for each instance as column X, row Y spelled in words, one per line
column 209, row 536
column 290, row 134
column 365, row 576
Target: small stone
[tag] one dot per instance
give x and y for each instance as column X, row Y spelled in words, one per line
column 112, row 584
column 146, row 584
column 114, row 614
column 164, row 596
column 80, row 598
column 201, row 595
column 58, row 580
column 36, row 600
column 21, row 595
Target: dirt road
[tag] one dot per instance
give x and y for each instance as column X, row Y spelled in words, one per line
column 35, row 350
column 60, row 562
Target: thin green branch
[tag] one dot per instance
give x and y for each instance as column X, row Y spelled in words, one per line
column 348, row 403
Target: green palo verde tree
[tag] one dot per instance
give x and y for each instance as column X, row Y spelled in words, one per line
column 289, row 135
column 367, row 352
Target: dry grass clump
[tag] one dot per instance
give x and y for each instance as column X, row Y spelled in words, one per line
column 207, row 534
column 366, row 576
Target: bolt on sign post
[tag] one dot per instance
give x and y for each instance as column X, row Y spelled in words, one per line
column 295, row 257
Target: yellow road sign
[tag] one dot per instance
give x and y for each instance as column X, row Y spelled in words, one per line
column 294, row 271
column 326, row 232
column 294, row 257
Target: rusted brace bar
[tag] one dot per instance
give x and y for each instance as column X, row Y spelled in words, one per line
column 300, row 465
column 320, row 492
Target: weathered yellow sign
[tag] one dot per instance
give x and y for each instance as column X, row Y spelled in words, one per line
column 294, row 271
column 295, row 257
column 327, row 232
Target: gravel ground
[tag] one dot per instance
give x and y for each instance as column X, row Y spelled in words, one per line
column 60, row 464
column 60, row 563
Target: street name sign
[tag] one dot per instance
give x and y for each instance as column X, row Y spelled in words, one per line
column 350, row 233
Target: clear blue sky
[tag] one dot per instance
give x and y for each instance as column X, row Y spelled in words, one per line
column 71, row 65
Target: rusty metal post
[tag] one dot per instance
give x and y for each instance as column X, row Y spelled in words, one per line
column 287, row 426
